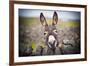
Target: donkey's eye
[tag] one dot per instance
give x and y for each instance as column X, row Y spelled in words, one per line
column 45, row 33
column 55, row 31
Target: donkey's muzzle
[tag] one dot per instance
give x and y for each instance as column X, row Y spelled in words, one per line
column 52, row 42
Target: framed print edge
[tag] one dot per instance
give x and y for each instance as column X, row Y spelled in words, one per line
column 86, row 32
column 11, row 33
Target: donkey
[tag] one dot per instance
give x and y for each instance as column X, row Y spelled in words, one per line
column 50, row 32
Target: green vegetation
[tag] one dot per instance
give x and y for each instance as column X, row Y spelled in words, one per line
column 36, row 21
column 33, row 45
column 28, row 21
column 69, row 24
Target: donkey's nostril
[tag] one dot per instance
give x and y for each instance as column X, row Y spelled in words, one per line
column 52, row 42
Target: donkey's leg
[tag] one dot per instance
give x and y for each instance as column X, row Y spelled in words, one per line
column 53, row 50
column 50, row 51
column 61, row 50
column 58, row 51
column 39, row 50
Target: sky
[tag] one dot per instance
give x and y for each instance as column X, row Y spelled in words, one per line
column 64, row 15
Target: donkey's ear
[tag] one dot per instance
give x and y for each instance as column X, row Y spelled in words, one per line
column 42, row 19
column 55, row 18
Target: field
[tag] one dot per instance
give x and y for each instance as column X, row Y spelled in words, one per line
column 31, row 39
column 36, row 21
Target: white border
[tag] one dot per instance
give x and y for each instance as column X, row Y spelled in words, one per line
column 40, row 58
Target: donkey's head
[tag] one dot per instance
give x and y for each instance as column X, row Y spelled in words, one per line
column 50, row 31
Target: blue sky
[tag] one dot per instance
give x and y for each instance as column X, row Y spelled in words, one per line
column 64, row 15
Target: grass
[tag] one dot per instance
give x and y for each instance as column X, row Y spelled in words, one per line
column 36, row 21
column 33, row 44
column 69, row 24
column 28, row 21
